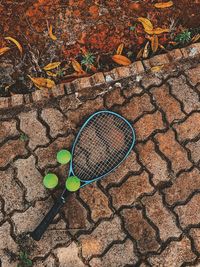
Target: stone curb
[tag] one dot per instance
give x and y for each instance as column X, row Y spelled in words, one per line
column 102, row 79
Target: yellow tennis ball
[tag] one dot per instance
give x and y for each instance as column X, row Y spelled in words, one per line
column 63, row 156
column 73, row 183
column 50, row 180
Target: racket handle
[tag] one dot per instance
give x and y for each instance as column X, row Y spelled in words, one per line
column 42, row 227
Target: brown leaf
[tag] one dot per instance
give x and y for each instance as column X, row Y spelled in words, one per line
column 52, row 36
column 77, row 67
column 52, row 66
column 164, row 5
column 50, row 73
column 146, row 23
column 154, row 43
column 15, row 42
column 157, row 68
column 121, row 60
column 196, row 38
column 120, row 49
column 146, row 50
column 140, row 53
column 4, row 50
column 42, row 83
column 160, row 30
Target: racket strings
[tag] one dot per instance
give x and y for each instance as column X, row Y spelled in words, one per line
column 101, row 146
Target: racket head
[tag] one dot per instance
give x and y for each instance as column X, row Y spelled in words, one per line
column 104, row 135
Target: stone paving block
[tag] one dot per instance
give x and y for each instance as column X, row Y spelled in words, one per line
column 137, row 106
column 140, row 230
column 8, row 129
column 114, row 97
column 190, row 212
column 47, row 155
column 36, row 132
column 31, row 178
column 193, row 75
column 168, row 103
column 10, row 150
column 159, row 60
column 49, row 262
column 150, row 80
column 175, row 55
column 4, row 102
column 183, row 186
column 55, row 119
column 118, row 255
column 153, row 162
column 7, row 242
column 130, row 190
column 190, row 128
column 101, row 237
column 148, row 124
column 174, row 255
column 69, row 102
column 89, row 107
column 1, row 211
column 130, row 164
column 11, row 192
column 161, row 217
column 185, row 94
column 173, row 151
column 131, row 90
column 69, row 256
column 96, row 200
column 195, row 234
column 194, row 148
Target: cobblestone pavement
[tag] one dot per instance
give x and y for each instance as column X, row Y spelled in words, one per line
column 147, row 212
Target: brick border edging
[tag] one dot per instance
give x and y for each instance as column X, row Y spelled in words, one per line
column 100, row 78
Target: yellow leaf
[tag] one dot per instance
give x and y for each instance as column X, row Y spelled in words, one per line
column 146, row 23
column 196, row 38
column 52, row 65
column 53, row 37
column 146, row 50
column 77, row 67
column 42, row 83
column 50, row 73
column 120, row 49
column 4, row 50
column 164, row 5
column 121, row 60
column 154, row 43
column 157, row 68
column 140, row 53
column 15, row 42
column 160, row 30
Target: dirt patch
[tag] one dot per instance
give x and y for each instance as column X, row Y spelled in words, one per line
column 95, row 26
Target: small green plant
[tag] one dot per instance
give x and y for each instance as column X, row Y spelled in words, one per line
column 183, row 37
column 24, row 137
column 24, row 261
column 88, row 60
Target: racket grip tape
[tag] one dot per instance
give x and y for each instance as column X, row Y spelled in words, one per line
column 42, row 227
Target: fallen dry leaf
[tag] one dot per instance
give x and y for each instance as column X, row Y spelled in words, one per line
column 164, row 5
column 196, row 38
column 120, row 49
column 52, row 36
column 77, row 67
column 50, row 73
column 146, row 23
column 52, row 66
column 121, row 60
column 15, row 42
column 42, row 83
column 156, row 31
column 154, row 43
column 140, row 53
column 146, row 50
column 4, row 50
column 157, row 68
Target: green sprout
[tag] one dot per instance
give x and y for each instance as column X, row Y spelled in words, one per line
column 88, row 60
column 183, row 37
column 24, row 260
column 132, row 28
column 23, row 137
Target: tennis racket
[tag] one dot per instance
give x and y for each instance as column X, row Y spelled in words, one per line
column 102, row 144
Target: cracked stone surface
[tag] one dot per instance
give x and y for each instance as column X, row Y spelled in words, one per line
column 145, row 213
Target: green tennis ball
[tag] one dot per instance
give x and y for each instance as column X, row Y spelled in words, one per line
column 50, row 180
column 73, row 183
column 63, row 156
